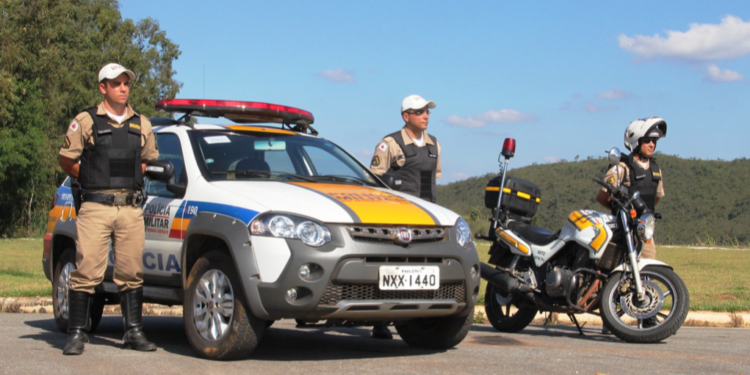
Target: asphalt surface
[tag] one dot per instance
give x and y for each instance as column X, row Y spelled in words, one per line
column 31, row 344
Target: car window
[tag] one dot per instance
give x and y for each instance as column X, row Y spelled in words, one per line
column 171, row 150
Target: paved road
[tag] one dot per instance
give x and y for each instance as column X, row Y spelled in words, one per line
column 31, row 344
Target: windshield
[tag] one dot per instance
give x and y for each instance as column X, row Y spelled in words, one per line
column 253, row 156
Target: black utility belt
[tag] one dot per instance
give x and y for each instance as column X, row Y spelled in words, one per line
column 131, row 199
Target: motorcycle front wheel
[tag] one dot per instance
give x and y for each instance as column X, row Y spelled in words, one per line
column 653, row 319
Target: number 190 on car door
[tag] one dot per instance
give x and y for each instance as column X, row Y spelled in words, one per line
column 409, row 278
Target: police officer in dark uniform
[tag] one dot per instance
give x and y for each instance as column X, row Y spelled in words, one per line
column 412, row 155
column 113, row 144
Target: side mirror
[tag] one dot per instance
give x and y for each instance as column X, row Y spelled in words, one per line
column 160, row 170
column 614, row 155
column 392, row 181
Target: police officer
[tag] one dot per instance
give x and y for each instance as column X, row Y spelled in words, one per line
column 639, row 171
column 413, row 156
column 113, row 144
column 411, row 153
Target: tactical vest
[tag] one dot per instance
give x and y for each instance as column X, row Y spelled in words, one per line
column 418, row 172
column 114, row 161
column 644, row 180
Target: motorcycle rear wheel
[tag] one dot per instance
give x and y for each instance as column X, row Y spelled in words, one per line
column 659, row 317
column 501, row 316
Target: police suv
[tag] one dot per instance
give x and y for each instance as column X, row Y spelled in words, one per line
column 248, row 223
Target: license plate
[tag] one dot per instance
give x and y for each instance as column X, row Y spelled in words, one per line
column 409, row 278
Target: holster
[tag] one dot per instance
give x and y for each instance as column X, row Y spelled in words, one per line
column 75, row 189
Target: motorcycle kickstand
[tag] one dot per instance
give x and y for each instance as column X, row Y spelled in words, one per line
column 574, row 320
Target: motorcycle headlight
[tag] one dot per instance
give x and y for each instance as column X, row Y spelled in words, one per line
column 463, row 233
column 290, row 226
column 646, row 226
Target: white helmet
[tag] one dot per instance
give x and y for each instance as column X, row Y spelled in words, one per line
column 654, row 127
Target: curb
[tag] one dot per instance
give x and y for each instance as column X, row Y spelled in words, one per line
column 43, row 305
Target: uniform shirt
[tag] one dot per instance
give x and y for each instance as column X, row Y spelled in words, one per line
column 388, row 153
column 80, row 132
column 623, row 177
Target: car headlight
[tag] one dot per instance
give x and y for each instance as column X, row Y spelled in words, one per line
column 646, row 226
column 463, row 233
column 290, row 226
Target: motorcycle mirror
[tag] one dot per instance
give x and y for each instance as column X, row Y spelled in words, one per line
column 509, row 148
column 614, row 155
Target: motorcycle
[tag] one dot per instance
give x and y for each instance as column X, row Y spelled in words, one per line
column 591, row 265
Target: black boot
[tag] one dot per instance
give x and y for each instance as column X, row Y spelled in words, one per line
column 381, row 331
column 78, row 322
column 131, row 303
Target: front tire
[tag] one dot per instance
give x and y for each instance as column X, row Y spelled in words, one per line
column 436, row 333
column 61, row 288
column 661, row 314
column 218, row 324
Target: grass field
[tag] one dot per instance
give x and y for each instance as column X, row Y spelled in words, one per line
column 717, row 279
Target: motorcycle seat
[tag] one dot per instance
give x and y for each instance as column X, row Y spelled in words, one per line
column 532, row 233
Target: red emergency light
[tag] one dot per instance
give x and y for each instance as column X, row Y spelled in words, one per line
column 237, row 111
column 509, row 148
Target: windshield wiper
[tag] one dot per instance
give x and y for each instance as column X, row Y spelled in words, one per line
column 344, row 179
column 257, row 173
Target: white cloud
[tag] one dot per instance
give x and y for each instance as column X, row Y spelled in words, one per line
column 716, row 74
column 365, row 153
column 592, row 107
column 728, row 40
column 615, row 94
column 501, row 116
column 551, row 159
column 337, row 75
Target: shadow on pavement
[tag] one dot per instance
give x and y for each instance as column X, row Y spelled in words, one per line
column 281, row 342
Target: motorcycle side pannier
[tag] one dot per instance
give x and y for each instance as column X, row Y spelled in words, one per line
column 520, row 197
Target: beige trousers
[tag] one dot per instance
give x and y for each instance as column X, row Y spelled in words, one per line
column 648, row 251
column 97, row 224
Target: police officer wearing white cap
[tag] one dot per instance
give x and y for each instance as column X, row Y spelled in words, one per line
column 412, row 155
column 113, row 144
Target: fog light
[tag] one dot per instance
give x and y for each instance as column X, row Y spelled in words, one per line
column 473, row 272
column 304, row 271
column 291, row 295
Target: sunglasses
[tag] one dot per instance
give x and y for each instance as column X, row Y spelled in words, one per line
column 646, row 141
column 419, row 112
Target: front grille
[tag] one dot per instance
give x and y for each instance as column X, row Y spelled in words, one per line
column 388, row 235
column 367, row 292
column 613, row 256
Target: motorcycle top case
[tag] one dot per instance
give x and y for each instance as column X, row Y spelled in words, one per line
column 520, row 197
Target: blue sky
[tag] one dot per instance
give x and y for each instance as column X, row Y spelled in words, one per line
column 562, row 78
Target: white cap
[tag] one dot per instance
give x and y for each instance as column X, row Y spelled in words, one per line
column 415, row 102
column 113, row 70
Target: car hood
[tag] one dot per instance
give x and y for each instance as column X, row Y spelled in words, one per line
column 339, row 203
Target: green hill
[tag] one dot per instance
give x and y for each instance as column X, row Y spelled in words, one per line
column 706, row 201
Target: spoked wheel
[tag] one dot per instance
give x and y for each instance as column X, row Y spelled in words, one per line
column 659, row 315
column 504, row 313
column 216, row 318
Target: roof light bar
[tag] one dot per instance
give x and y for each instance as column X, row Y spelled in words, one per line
column 237, row 111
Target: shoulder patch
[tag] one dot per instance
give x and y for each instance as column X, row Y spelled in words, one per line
column 375, row 161
column 382, row 146
column 66, row 143
column 74, row 126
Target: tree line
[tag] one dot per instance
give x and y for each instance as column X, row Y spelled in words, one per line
column 706, row 201
column 50, row 55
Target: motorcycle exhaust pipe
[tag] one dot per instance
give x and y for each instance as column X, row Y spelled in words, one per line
column 509, row 285
column 506, row 283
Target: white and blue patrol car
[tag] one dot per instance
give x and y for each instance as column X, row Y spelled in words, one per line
column 246, row 224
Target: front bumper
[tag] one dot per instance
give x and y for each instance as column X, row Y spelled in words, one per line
column 344, row 284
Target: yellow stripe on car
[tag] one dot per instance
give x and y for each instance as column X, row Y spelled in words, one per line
column 374, row 206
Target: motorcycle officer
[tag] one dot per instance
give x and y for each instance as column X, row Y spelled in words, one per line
column 113, row 144
column 639, row 171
